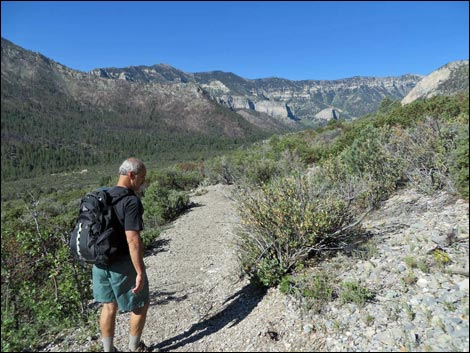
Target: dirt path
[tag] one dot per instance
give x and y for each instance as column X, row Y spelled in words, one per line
column 198, row 300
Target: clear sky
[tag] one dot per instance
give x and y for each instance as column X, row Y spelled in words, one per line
column 253, row 39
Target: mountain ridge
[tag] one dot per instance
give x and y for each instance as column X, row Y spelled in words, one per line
column 58, row 118
column 303, row 98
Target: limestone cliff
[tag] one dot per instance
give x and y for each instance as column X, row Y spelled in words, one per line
column 449, row 79
column 279, row 98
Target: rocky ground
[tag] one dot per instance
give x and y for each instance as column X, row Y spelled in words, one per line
column 416, row 264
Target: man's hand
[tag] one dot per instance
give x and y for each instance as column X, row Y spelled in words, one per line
column 139, row 284
column 136, row 251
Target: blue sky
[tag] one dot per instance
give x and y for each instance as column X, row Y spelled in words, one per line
column 253, row 39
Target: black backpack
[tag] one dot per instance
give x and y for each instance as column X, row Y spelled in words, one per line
column 94, row 237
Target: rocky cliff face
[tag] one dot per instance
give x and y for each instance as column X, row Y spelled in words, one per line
column 355, row 96
column 280, row 98
column 328, row 114
column 449, row 79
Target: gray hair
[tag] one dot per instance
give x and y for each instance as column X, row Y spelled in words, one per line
column 131, row 165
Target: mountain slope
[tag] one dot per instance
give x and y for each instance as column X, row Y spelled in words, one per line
column 447, row 80
column 54, row 118
column 31, row 77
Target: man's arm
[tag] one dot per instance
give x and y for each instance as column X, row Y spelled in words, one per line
column 136, row 251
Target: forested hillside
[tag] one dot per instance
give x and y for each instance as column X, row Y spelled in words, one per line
column 57, row 119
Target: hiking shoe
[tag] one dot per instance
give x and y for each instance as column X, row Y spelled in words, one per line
column 142, row 347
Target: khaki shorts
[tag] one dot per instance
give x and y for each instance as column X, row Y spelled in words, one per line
column 114, row 283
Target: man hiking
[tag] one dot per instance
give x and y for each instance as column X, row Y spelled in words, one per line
column 123, row 283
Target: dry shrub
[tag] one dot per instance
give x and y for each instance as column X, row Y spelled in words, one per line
column 287, row 222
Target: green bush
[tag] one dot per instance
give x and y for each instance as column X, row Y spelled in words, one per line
column 175, row 178
column 44, row 290
column 269, row 270
column 354, row 292
column 220, row 170
column 368, row 159
column 149, row 234
column 424, row 153
column 459, row 162
column 286, row 222
column 261, row 171
column 163, row 205
column 312, row 290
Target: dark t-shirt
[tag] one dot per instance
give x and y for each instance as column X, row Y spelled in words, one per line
column 129, row 211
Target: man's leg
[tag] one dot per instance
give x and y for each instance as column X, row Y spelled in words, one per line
column 107, row 325
column 137, row 323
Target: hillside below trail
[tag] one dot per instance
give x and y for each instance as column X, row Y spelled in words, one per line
column 199, row 301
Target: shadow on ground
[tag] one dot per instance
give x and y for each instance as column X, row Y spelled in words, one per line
column 162, row 297
column 234, row 310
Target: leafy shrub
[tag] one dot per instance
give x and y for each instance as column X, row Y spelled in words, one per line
column 269, row 270
column 290, row 163
column 424, row 154
column 354, row 292
column 261, row 171
column 220, row 170
column 241, row 167
column 176, row 178
column 300, row 144
column 43, row 289
column 286, row 222
column 365, row 155
column 368, row 159
column 256, row 167
column 312, row 290
column 459, row 162
column 149, row 234
column 163, row 205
